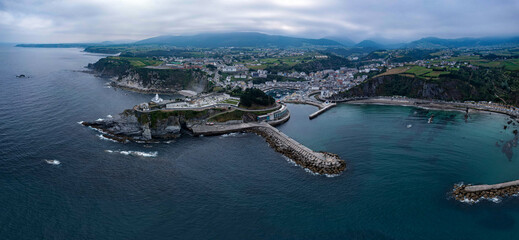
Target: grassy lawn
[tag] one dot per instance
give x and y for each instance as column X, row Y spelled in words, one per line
column 234, row 115
column 231, row 101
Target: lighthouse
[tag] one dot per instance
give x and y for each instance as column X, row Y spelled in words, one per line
column 156, row 99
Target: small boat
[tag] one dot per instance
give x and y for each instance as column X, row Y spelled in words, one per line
column 409, row 125
column 53, row 162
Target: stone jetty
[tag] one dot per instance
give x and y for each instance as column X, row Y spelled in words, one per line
column 473, row 193
column 317, row 162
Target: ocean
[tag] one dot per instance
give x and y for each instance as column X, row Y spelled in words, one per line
column 400, row 169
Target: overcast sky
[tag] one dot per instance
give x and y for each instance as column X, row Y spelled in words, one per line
column 35, row 21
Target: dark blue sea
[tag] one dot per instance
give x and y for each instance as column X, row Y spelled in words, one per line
column 235, row 186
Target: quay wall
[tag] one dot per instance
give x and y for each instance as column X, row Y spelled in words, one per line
column 319, row 105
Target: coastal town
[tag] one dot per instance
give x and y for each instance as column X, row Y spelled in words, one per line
column 264, row 68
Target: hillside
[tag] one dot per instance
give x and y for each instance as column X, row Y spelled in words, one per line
column 331, row 62
column 132, row 73
column 433, row 42
column 482, row 84
column 238, row 39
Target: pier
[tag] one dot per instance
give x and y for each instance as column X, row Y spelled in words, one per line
column 317, row 162
column 322, row 110
column 323, row 107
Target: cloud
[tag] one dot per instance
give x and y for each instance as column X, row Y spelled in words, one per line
column 99, row 20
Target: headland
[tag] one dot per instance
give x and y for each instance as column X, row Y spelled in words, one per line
column 214, row 114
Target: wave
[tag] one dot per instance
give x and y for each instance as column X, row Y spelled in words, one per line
column 80, row 122
column 52, row 161
column 470, row 201
column 135, row 153
column 234, row 134
column 105, row 138
column 308, row 170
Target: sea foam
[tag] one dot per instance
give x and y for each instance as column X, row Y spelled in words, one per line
column 135, row 153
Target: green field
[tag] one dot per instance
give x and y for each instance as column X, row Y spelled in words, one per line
column 418, row 70
column 139, row 62
column 423, row 72
column 272, row 61
column 435, row 74
column 508, row 64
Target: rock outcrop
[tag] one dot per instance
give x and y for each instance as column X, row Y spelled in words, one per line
column 396, row 85
column 143, row 79
column 128, row 127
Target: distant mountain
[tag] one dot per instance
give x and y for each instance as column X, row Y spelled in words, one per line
column 370, row 44
column 433, row 42
column 238, row 39
column 343, row 40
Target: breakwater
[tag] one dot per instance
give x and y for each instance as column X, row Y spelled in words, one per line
column 323, row 107
column 472, row 193
column 317, row 162
column 322, row 110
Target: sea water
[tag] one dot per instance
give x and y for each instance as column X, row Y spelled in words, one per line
column 396, row 185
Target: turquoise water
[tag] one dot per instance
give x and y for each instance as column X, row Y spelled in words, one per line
column 236, row 187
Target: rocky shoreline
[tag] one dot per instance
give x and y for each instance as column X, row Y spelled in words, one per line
column 125, row 127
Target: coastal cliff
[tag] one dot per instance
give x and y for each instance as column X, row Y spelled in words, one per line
column 132, row 125
column 395, row 85
column 126, row 75
column 463, row 84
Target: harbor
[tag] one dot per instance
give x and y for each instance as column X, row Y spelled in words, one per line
column 323, row 106
column 316, row 162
